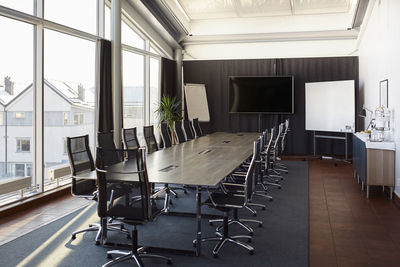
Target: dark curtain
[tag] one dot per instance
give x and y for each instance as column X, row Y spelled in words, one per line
column 214, row 74
column 168, row 77
column 104, row 106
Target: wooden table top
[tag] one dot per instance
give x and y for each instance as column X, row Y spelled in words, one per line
column 202, row 161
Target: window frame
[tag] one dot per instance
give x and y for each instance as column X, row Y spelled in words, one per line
column 36, row 19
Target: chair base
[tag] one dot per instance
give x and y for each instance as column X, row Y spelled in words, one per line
column 224, row 237
column 136, row 256
column 136, row 253
column 96, row 227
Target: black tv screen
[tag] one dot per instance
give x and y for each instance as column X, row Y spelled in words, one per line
column 255, row 94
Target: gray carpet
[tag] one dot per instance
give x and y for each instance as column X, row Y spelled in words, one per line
column 282, row 241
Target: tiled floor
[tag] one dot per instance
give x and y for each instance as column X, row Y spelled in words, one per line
column 21, row 223
column 346, row 229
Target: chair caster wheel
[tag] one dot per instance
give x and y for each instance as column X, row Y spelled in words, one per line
column 260, row 225
column 271, row 199
column 73, row 237
column 176, row 196
column 210, row 223
column 122, row 227
column 185, row 192
column 169, row 262
column 263, row 208
column 128, row 236
column 251, row 252
column 279, row 188
column 109, row 256
column 251, row 233
column 255, row 214
column 194, row 244
column 97, row 242
column 215, row 255
column 249, row 240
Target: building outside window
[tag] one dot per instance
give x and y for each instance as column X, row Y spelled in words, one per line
column 23, row 145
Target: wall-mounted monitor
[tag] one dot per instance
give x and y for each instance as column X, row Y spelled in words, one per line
column 261, row 94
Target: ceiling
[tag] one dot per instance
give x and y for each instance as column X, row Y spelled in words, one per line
column 222, row 9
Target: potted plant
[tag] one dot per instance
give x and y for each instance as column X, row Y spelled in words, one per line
column 169, row 111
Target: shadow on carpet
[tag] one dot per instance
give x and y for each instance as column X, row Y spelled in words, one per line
column 282, row 241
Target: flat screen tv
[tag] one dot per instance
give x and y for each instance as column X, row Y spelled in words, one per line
column 261, row 94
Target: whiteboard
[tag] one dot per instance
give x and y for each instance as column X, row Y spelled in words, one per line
column 196, row 102
column 330, row 106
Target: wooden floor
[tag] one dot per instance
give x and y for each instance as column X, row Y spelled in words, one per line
column 346, row 229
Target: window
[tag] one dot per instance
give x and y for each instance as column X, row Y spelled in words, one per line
column 130, row 37
column 66, row 115
column 23, row 145
column 16, row 75
column 133, row 91
column 69, row 67
column 153, row 51
column 154, row 89
column 20, row 5
column 19, row 115
column 77, row 14
column 76, row 119
column 19, row 169
column 68, row 64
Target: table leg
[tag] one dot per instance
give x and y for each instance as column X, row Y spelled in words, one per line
column 367, row 191
column 198, row 217
column 391, row 192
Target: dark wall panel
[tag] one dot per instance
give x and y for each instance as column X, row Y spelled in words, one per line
column 214, row 74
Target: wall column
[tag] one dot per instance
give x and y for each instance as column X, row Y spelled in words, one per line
column 116, row 69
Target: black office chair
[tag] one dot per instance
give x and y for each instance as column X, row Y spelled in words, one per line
column 152, row 147
column 149, row 137
column 81, row 161
column 277, row 168
column 226, row 202
column 136, row 212
column 165, row 135
column 180, row 136
column 196, row 128
column 235, row 183
column 189, row 135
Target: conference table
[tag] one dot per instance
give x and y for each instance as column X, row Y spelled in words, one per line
column 201, row 163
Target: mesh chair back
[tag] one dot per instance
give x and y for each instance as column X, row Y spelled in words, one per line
column 250, row 175
column 130, row 140
column 286, row 126
column 196, row 127
column 180, row 137
column 80, row 160
column 106, row 141
column 188, row 130
column 165, row 135
column 138, row 210
column 151, row 143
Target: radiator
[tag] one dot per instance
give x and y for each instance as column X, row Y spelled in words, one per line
column 59, row 171
column 14, row 184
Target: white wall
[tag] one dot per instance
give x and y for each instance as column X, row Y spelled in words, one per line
column 379, row 58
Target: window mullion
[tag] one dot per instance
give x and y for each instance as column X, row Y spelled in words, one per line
column 38, row 100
